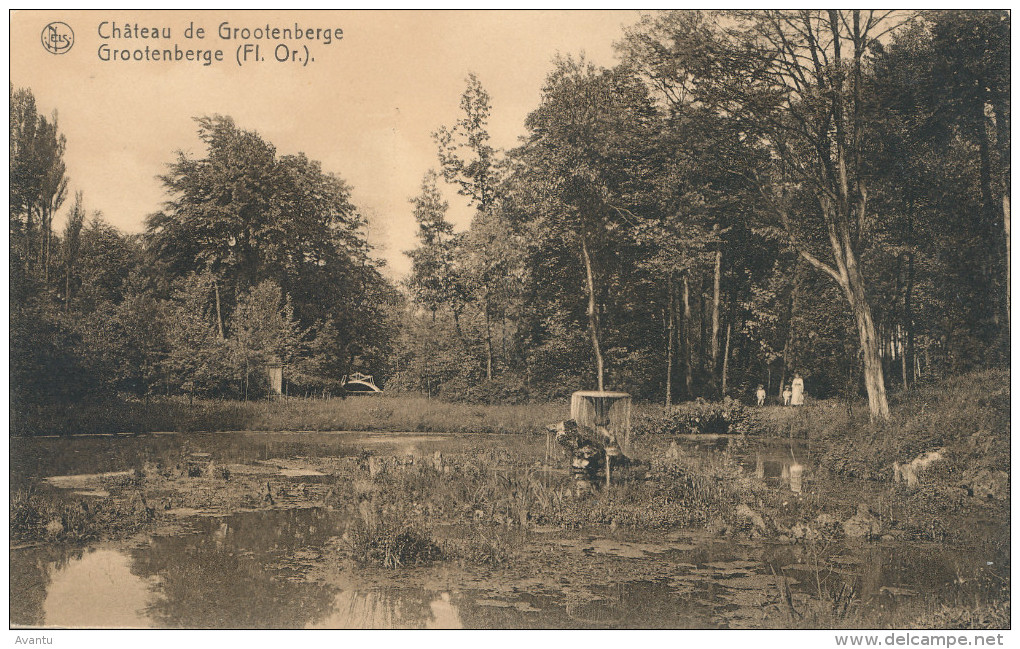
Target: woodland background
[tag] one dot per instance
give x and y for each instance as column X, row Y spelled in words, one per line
column 745, row 196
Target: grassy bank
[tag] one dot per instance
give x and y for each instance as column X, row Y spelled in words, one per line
column 968, row 415
column 965, row 418
column 402, row 413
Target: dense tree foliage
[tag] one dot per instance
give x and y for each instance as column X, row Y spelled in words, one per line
column 746, row 196
column 753, row 194
column 38, row 184
column 256, row 260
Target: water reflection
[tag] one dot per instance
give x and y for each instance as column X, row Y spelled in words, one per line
column 77, row 589
column 793, row 475
column 237, row 571
column 252, row 571
column 38, row 457
column 779, row 466
column 240, row 571
column 391, row 609
column 98, row 590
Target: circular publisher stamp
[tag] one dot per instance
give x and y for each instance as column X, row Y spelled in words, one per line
column 57, row 37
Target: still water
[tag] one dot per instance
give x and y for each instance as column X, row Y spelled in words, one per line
column 33, row 458
column 275, row 569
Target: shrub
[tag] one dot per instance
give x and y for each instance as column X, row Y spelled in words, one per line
column 509, row 389
column 700, row 417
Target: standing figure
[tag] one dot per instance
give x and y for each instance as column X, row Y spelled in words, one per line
column 787, row 395
column 760, row 394
column 798, row 391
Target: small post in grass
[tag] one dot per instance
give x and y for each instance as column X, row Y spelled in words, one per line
column 607, row 466
column 548, row 435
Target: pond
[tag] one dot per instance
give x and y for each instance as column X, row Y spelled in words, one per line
column 276, row 568
column 33, row 458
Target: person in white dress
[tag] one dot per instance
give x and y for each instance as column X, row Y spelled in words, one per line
column 761, row 395
column 797, row 399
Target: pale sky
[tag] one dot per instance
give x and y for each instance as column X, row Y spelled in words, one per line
column 365, row 107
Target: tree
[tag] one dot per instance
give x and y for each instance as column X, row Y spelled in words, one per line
column 102, row 262
column 38, row 184
column 821, row 130
column 467, row 159
column 221, row 209
column 795, row 80
column 592, row 141
column 197, row 360
column 72, row 244
column 264, row 333
column 46, row 365
column 943, row 267
column 972, row 74
column 120, row 346
column 245, row 215
column 435, row 279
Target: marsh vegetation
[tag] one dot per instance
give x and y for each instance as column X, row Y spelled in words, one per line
column 722, row 529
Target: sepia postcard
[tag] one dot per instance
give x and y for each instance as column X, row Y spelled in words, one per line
column 689, row 320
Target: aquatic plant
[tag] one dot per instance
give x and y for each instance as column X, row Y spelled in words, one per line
column 493, row 547
column 388, row 537
column 76, row 522
column 26, row 517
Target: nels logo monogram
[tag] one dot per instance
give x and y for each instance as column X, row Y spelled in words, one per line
column 57, row 37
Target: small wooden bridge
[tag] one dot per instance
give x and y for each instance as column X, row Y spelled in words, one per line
column 360, row 383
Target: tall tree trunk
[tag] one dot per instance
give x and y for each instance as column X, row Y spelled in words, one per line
column 715, row 311
column 219, row 314
column 686, row 340
column 593, row 316
column 502, row 337
column 47, row 230
column 28, row 238
column 456, row 325
column 703, row 316
column 908, row 312
column 670, row 329
column 849, row 277
column 488, row 337
column 989, row 227
column 985, row 159
column 1002, row 142
column 725, row 359
column 1009, row 261
column 427, row 369
column 874, row 380
column 789, row 327
column 903, row 355
column 39, row 243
